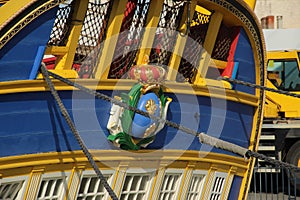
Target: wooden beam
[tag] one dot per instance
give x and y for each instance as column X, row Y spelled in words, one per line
column 149, row 34
column 208, row 45
column 109, row 45
column 66, row 61
column 180, row 43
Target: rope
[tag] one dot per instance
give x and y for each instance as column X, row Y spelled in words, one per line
column 203, row 138
column 76, row 134
column 235, row 81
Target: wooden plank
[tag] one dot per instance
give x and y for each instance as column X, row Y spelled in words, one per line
column 109, row 45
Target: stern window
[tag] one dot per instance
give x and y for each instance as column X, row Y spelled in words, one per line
column 135, row 186
column 10, row 190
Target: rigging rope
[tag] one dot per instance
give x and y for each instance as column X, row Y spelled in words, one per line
column 235, row 81
column 203, row 138
column 76, row 134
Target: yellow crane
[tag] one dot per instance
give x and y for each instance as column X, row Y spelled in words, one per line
column 280, row 136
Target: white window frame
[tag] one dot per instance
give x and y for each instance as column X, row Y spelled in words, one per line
column 21, row 192
column 202, row 183
column 91, row 173
column 141, row 172
column 218, row 175
column 53, row 176
column 179, row 184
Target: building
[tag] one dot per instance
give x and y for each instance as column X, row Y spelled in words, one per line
column 278, row 13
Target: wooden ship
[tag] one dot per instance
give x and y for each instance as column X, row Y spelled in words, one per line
column 106, row 99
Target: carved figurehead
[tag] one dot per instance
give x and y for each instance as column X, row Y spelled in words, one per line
column 130, row 130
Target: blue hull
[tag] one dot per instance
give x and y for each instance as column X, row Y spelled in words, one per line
column 32, row 123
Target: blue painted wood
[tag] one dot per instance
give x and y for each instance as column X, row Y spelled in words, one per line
column 17, row 57
column 32, row 123
column 235, row 188
column 37, row 62
column 244, row 55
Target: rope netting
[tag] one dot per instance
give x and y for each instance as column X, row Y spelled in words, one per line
column 129, row 39
column 92, row 34
column 192, row 53
column 61, row 26
column 224, row 40
column 166, row 33
column 94, row 30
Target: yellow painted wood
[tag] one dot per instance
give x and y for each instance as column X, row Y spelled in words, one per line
column 74, row 182
column 251, row 3
column 9, row 9
column 245, row 181
column 33, row 183
column 187, row 177
column 119, row 178
column 66, row 61
column 228, row 182
column 211, row 88
column 150, row 29
column 209, row 43
column 218, row 63
column 158, row 180
column 114, row 26
column 21, row 22
column 209, row 182
column 64, row 159
column 66, row 73
column 180, row 44
column 56, row 50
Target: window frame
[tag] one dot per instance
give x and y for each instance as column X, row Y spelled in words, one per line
column 22, row 190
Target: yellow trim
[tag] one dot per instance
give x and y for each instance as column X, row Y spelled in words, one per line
column 228, row 182
column 209, row 43
column 218, row 63
column 149, row 34
column 12, row 7
column 187, row 176
column 202, row 10
column 209, row 182
column 158, row 180
column 56, row 50
column 74, row 181
column 33, row 183
column 120, row 177
column 114, row 26
column 75, row 162
column 58, row 161
column 210, row 88
column 251, row 3
column 69, row 74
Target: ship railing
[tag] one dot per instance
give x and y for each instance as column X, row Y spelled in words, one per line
column 281, row 185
